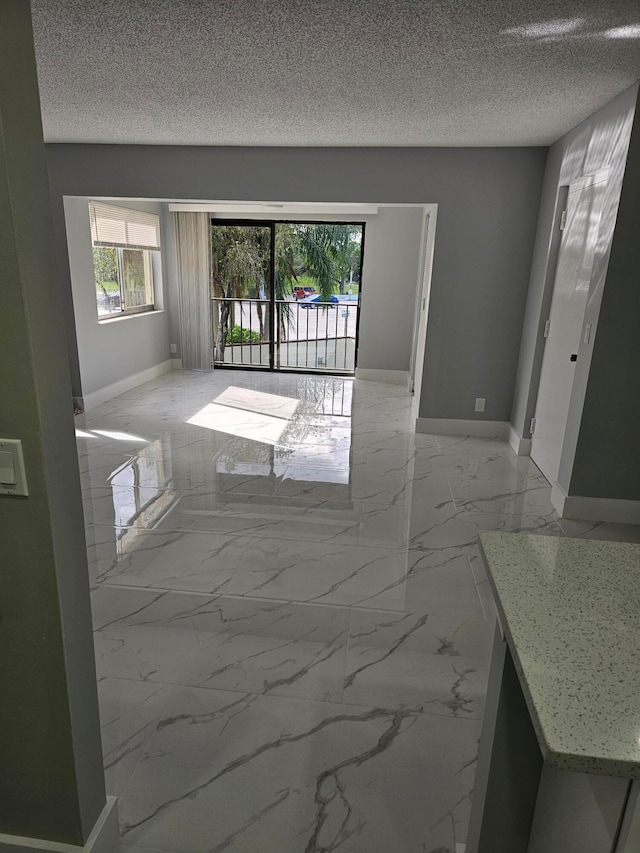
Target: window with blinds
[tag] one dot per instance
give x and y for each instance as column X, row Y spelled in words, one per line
column 124, row 242
column 123, row 228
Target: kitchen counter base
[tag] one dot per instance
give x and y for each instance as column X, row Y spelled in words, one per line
column 522, row 805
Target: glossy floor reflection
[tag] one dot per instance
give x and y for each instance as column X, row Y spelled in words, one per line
column 292, row 624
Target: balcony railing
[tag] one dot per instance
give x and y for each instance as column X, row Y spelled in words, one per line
column 318, row 336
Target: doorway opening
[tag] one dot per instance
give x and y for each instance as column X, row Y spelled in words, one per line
column 286, row 295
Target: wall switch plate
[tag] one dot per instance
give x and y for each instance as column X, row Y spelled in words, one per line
column 13, row 477
column 480, row 404
column 174, row 348
column 7, row 469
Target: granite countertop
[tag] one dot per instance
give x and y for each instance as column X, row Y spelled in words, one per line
column 570, row 610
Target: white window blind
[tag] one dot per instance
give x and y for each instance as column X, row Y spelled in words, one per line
column 123, row 227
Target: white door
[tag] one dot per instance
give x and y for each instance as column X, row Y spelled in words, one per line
column 566, row 319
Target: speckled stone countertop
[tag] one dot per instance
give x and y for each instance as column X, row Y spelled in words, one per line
column 570, row 610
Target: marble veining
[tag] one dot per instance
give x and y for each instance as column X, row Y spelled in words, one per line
column 292, row 618
column 307, row 776
column 570, row 609
column 428, row 662
column 233, row 644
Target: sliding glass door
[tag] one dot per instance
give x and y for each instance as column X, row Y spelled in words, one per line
column 286, row 295
column 241, row 272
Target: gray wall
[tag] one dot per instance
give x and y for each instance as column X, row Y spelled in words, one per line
column 52, row 780
column 488, row 204
column 600, row 141
column 111, row 351
column 607, row 459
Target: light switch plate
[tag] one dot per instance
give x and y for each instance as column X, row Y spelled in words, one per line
column 12, row 466
column 7, row 470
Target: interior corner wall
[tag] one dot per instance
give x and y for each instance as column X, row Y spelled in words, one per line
column 483, row 248
column 601, row 141
column 64, row 294
column 488, row 200
column 389, row 283
column 114, row 352
column 170, row 278
column 607, row 457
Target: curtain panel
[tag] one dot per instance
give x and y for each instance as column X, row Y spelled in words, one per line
column 194, row 258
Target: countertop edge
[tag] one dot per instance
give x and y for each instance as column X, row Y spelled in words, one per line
column 562, row 760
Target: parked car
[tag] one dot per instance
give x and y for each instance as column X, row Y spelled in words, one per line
column 302, row 292
column 318, row 302
column 109, row 301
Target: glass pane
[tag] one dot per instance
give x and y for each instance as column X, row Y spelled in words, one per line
column 105, row 269
column 136, row 274
column 317, row 295
column 240, row 268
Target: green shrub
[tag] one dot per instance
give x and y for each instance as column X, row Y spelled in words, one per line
column 239, row 335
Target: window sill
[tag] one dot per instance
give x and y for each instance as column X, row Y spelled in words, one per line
column 107, row 320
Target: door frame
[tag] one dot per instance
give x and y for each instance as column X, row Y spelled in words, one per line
column 423, row 296
column 271, row 223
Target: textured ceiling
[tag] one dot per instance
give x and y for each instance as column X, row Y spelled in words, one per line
column 330, row 72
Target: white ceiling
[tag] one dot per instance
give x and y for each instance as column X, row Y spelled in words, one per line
column 330, row 72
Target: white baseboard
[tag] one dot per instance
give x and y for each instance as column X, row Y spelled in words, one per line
column 594, row 509
column 458, row 426
column 520, row 445
column 176, row 364
column 102, row 839
column 388, row 377
column 95, row 398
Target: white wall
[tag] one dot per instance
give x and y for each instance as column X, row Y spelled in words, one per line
column 392, row 247
column 117, row 354
column 607, row 462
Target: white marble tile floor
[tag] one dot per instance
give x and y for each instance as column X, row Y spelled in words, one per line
column 292, row 623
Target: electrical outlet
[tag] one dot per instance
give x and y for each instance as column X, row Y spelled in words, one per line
column 480, row 404
column 174, row 348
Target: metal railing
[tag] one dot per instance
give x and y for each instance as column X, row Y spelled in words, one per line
column 317, row 336
column 241, row 331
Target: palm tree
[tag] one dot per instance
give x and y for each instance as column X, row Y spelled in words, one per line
column 239, row 268
column 326, row 252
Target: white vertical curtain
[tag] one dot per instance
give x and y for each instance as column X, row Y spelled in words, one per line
column 194, row 258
